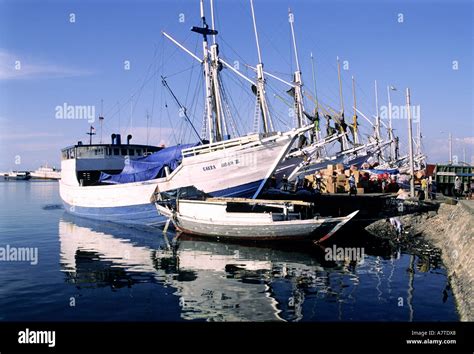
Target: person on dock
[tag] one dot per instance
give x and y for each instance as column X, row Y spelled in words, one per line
column 466, row 190
column 284, row 182
column 429, row 182
column 318, row 181
column 457, row 187
column 424, row 186
column 397, row 225
column 352, row 185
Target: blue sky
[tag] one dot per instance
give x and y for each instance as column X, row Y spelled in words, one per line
column 83, row 62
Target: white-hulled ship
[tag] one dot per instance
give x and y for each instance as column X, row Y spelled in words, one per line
column 237, row 167
column 81, row 167
column 16, row 175
column 91, row 185
column 45, row 172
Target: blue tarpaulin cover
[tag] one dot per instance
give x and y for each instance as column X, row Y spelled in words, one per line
column 148, row 167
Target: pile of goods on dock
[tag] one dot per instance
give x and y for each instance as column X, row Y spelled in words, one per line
column 335, row 179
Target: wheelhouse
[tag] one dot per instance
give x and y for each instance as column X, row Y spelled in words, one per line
column 90, row 160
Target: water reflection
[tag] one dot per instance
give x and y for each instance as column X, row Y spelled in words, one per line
column 217, row 281
column 92, row 256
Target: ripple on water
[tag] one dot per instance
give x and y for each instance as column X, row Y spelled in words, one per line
column 52, row 207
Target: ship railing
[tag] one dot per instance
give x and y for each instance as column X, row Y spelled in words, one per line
column 221, row 145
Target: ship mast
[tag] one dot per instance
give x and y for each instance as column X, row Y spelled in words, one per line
column 341, row 98
column 419, row 152
column 216, row 66
column 390, row 129
column 215, row 110
column 378, row 136
column 410, row 146
column 298, row 84
column 354, row 124
column 342, row 124
column 261, row 96
column 90, row 133
column 316, row 109
column 205, row 31
column 212, row 22
column 101, row 118
column 377, row 114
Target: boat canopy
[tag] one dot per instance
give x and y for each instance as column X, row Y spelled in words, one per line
column 188, row 193
column 148, row 167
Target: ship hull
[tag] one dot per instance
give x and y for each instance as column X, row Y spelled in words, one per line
column 48, row 176
column 236, row 171
column 145, row 214
column 17, row 177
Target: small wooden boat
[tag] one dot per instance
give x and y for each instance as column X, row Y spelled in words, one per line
column 249, row 219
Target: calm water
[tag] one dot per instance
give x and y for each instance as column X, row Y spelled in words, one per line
column 91, row 271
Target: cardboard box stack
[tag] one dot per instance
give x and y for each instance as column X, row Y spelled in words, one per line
column 335, row 179
column 341, row 181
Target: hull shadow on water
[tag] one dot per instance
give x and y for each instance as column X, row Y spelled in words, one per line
column 258, row 281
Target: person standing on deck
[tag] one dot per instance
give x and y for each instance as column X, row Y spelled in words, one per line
column 315, row 130
column 284, row 182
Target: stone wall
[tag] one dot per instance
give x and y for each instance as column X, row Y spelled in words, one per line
column 451, row 229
